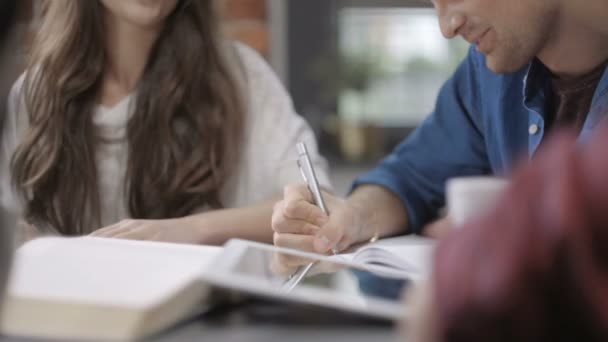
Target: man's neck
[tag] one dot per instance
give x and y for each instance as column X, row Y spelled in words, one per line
column 574, row 49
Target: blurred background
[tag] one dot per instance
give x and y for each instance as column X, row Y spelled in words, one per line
column 364, row 73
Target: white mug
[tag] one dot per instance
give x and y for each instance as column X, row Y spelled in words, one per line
column 471, row 197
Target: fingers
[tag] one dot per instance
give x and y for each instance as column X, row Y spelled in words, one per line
column 302, row 210
column 290, row 262
column 137, row 233
column 298, row 204
column 295, row 227
column 133, row 230
column 328, row 238
column 296, row 214
column 297, row 192
column 293, row 241
column 283, row 224
column 116, row 229
column 279, row 267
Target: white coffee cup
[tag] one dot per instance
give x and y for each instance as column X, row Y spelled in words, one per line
column 471, row 197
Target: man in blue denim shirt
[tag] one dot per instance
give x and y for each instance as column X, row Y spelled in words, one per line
column 533, row 66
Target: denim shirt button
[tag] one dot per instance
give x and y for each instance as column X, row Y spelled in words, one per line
column 533, row 129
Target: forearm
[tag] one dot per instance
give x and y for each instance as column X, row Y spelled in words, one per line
column 249, row 223
column 382, row 212
column 25, row 232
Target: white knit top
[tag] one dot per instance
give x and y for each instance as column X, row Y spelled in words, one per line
column 267, row 162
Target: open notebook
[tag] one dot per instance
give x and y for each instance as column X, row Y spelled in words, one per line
column 102, row 289
column 411, row 255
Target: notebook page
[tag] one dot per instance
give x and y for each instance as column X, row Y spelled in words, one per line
column 416, row 259
column 407, row 253
column 105, row 271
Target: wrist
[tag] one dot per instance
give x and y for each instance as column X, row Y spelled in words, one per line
column 365, row 222
column 382, row 211
column 199, row 229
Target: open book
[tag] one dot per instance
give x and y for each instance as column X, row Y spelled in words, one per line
column 408, row 254
column 102, row 289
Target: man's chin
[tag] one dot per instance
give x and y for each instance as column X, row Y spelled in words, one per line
column 503, row 65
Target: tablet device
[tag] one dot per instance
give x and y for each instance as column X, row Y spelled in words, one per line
column 332, row 282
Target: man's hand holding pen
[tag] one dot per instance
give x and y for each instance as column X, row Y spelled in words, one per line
column 299, row 224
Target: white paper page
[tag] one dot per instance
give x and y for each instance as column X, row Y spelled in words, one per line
column 416, row 257
column 106, row 271
column 407, row 240
column 409, row 251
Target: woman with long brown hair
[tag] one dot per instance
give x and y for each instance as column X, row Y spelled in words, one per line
column 135, row 119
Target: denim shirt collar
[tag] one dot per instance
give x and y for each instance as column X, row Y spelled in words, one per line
column 602, row 89
column 599, row 108
column 537, row 86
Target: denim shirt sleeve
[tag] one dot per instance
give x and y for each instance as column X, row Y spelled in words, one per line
column 449, row 143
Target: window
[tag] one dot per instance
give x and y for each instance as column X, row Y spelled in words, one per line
column 394, row 62
column 365, row 73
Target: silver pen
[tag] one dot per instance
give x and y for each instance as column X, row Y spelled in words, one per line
column 310, row 177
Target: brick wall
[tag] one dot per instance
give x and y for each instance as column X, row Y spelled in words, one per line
column 246, row 20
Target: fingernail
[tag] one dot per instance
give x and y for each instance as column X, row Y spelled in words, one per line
column 321, row 244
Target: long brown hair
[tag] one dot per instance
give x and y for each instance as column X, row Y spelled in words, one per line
column 183, row 135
